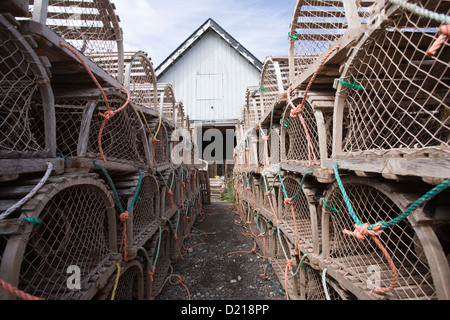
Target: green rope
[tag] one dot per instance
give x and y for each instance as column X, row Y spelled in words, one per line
column 157, row 250
column 295, row 36
column 418, row 203
column 111, row 183
column 352, row 84
column 383, row 224
column 35, row 221
column 331, row 208
column 261, row 88
column 300, row 187
column 270, row 279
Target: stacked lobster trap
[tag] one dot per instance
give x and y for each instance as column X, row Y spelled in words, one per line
column 90, row 199
column 357, row 199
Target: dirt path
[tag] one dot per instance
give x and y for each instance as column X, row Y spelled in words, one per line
column 211, row 273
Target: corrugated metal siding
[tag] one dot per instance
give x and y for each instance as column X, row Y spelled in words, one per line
column 210, row 79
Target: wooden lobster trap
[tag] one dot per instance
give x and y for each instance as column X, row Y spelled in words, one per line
column 405, row 261
column 92, row 27
column 274, row 81
column 74, row 229
column 316, row 25
column 394, row 91
column 140, row 79
column 83, row 135
column 27, row 116
column 306, row 136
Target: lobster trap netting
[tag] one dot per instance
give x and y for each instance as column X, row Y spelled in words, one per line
column 21, row 77
column 312, row 285
column 397, row 94
column 274, row 80
column 159, row 249
column 123, row 136
column 160, row 142
column 315, row 26
column 92, row 27
column 373, row 202
column 128, row 285
column 140, row 79
column 296, row 214
column 300, row 136
column 77, row 230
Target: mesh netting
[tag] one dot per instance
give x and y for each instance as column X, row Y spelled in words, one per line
column 130, row 284
column 315, row 26
column 75, row 230
column 140, row 79
column 295, row 140
column 21, row 75
column 402, row 95
column 123, row 137
column 274, row 80
column 372, row 204
column 307, row 227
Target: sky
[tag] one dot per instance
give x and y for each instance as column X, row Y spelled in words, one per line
column 159, row 27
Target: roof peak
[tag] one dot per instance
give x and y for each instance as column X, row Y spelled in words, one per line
column 196, row 36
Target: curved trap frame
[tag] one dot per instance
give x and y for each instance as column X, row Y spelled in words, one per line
column 78, row 123
column 274, row 80
column 406, row 243
column 316, row 25
column 128, row 285
column 92, row 27
column 396, row 95
column 77, row 229
column 26, row 100
column 140, row 79
column 166, row 102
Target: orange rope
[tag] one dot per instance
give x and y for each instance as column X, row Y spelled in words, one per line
column 107, row 115
column 180, row 280
column 172, row 203
column 251, row 251
column 123, row 243
column 154, row 141
column 360, row 232
column 16, row 292
column 151, row 273
column 178, row 246
column 288, row 268
column 444, row 35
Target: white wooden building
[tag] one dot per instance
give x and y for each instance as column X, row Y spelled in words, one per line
column 210, row 72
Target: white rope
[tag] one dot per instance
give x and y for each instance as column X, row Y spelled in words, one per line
column 30, row 194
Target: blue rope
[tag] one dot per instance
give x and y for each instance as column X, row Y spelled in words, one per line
column 300, row 187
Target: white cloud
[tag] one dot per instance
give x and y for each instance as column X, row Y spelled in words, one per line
column 159, row 27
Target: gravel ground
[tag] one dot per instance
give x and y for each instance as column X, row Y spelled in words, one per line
column 211, row 273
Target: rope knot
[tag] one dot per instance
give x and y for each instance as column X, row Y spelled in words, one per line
column 267, row 194
column 124, row 216
column 107, row 114
column 289, row 263
column 170, row 192
column 443, row 35
column 154, row 140
column 265, row 138
column 180, row 280
column 248, row 188
column 363, row 230
column 287, row 201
